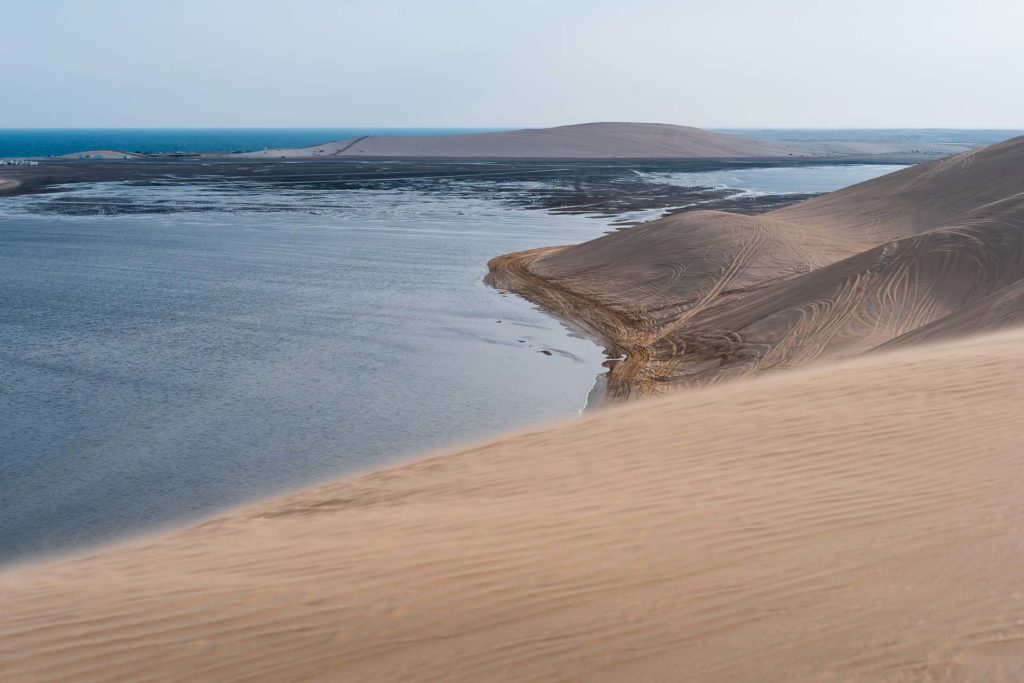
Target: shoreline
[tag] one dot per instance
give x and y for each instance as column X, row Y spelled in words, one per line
column 717, row 531
column 347, row 171
column 622, row 334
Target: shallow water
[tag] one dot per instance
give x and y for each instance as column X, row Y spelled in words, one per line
column 41, row 142
column 780, row 180
column 157, row 367
column 170, row 349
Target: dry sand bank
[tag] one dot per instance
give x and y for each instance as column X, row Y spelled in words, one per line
column 605, row 141
column 588, row 140
column 711, row 295
column 727, row 534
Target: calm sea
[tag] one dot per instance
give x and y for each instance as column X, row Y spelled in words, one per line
column 52, row 142
column 56, row 141
column 171, row 348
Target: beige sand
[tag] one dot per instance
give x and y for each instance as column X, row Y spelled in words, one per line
column 704, row 296
column 101, row 154
column 602, row 141
column 850, row 522
column 588, row 140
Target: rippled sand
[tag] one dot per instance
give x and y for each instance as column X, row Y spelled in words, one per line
column 857, row 521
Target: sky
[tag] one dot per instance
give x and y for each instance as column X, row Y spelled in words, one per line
column 511, row 63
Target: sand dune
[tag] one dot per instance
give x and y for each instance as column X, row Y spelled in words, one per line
column 604, row 141
column 101, row 154
column 706, row 296
column 848, row 521
column 588, row 140
column 1004, row 308
column 724, row 534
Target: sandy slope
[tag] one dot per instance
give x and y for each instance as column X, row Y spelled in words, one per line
column 603, row 141
column 851, row 522
column 713, row 295
column 588, row 140
column 101, row 154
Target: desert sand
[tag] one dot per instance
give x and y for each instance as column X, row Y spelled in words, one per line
column 101, row 154
column 854, row 518
column 857, row 521
column 608, row 140
column 587, row 140
column 704, row 296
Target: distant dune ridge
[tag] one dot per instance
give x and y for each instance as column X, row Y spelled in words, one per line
column 587, row 140
column 702, row 296
column 602, row 140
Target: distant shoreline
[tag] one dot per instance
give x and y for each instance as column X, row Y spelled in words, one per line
column 55, row 171
column 597, row 140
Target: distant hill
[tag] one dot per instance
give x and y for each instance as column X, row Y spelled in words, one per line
column 582, row 141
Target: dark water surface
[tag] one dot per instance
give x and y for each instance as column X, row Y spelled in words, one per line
column 170, row 348
column 42, row 142
column 158, row 367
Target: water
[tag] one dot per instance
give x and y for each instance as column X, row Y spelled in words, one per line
column 161, row 367
column 170, row 348
column 21, row 142
column 939, row 136
column 779, row 180
column 56, row 141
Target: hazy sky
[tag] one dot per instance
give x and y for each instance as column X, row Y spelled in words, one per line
column 898, row 63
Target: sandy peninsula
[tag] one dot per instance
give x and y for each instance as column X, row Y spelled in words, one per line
column 585, row 140
column 604, row 140
column 704, row 296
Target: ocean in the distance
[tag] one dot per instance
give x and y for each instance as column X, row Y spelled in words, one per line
column 44, row 142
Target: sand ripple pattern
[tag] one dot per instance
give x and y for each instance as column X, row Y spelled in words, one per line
column 713, row 296
column 725, row 534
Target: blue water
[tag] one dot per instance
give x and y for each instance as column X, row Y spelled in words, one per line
column 779, row 180
column 154, row 368
column 53, row 142
column 939, row 136
column 171, row 347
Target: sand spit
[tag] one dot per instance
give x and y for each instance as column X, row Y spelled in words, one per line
column 104, row 154
column 724, row 534
column 713, row 295
column 605, row 141
column 587, row 140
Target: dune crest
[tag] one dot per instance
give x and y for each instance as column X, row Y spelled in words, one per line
column 586, row 140
column 724, row 534
column 713, row 295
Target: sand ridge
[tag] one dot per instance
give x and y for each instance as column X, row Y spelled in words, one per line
column 718, row 295
column 587, row 140
column 724, row 534
column 604, row 140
